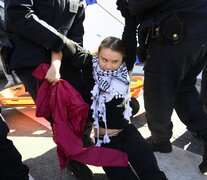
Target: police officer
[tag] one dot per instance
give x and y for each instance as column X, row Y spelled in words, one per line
column 11, row 166
column 42, row 32
column 172, row 41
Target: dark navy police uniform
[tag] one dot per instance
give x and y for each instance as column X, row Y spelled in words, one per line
column 172, row 65
column 38, row 27
column 173, row 41
column 33, row 26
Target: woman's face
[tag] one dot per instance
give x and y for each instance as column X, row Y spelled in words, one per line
column 109, row 60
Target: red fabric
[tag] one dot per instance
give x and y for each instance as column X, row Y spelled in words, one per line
column 69, row 112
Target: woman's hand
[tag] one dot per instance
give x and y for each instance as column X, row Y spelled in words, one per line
column 53, row 74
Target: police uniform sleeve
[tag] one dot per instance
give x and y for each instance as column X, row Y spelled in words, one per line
column 129, row 33
column 130, row 40
column 137, row 7
column 22, row 20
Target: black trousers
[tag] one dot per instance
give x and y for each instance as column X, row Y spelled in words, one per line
column 139, row 154
column 11, row 166
column 170, row 76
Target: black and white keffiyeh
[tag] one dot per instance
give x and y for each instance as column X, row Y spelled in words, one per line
column 109, row 85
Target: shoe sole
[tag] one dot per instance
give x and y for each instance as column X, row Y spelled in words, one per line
column 203, row 169
column 169, row 150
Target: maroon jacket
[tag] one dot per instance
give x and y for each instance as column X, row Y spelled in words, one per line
column 69, row 112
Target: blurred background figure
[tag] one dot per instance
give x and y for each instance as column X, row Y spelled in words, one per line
column 12, row 79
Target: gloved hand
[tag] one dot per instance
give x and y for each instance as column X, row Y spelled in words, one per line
column 130, row 40
column 73, row 52
column 142, row 54
column 81, row 58
column 70, row 48
column 122, row 7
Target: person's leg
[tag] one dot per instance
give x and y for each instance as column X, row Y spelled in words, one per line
column 189, row 105
column 140, row 156
column 165, row 71
column 11, row 166
column 189, row 108
column 28, row 80
column 160, row 87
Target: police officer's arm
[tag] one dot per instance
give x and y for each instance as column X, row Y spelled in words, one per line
column 129, row 34
column 137, row 7
column 23, row 21
column 130, row 41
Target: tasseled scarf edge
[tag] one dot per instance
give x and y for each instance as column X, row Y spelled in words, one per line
column 99, row 102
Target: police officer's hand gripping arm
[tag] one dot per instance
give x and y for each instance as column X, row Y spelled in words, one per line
column 28, row 25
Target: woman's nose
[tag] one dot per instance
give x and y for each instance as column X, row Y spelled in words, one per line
column 108, row 66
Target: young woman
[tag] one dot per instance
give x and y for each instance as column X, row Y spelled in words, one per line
column 111, row 113
column 108, row 80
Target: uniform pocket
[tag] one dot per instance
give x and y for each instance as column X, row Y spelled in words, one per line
column 173, row 29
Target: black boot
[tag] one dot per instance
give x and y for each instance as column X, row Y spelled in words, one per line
column 134, row 105
column 163, row 147
column 87, row 140
column 203, row 165
column 80, row 171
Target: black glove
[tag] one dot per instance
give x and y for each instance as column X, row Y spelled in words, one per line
column 134, row 104
column 142, row 54
column 122, row 7
column 73, row 52
column 70, row 48
column 130, row 41
column 81, row 58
